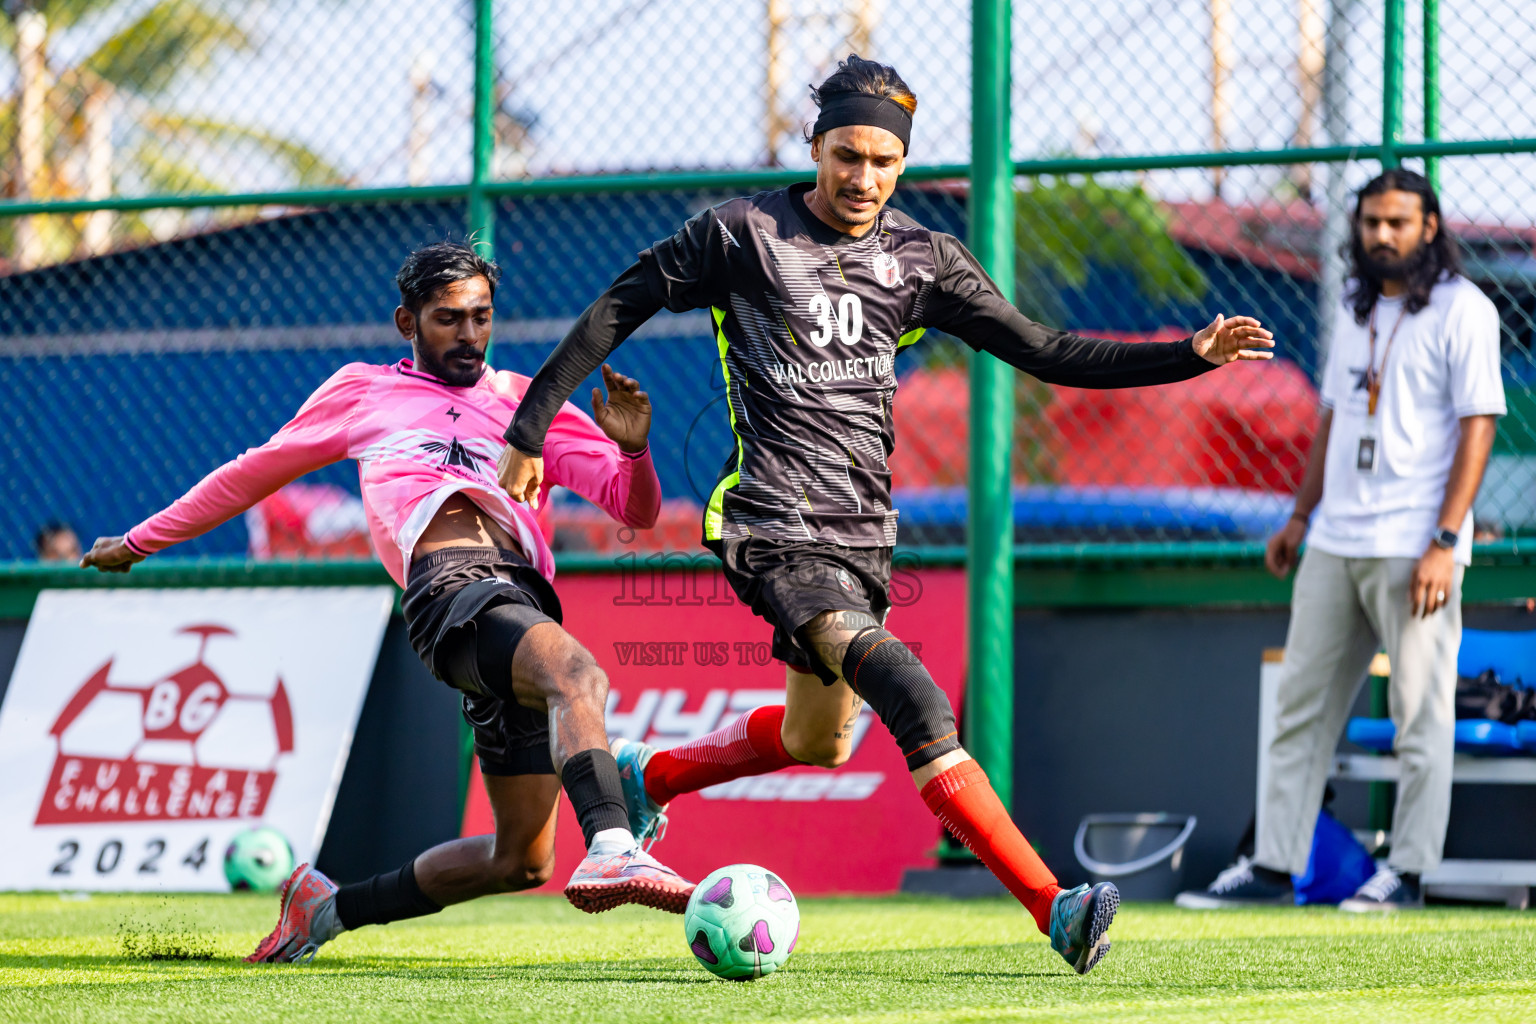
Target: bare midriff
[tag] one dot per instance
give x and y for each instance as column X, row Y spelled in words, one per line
column 460, row 523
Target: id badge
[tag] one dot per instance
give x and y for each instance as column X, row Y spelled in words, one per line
column 1367, row 455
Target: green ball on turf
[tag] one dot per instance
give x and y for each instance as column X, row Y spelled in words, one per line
column 258, row 859
column 742, row 922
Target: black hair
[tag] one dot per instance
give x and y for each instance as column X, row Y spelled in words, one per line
column 431, row 268
column 45, row 533
column 857, row 75
column 1435, row 261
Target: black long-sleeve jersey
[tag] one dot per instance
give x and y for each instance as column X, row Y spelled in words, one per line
column 808, row 322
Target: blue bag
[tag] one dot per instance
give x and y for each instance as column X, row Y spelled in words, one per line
column 1338, row 866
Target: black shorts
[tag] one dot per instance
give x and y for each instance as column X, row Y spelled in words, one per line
column 466, row 610
column 789, row 583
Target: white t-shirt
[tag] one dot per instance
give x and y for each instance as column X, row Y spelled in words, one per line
column 1444, row 365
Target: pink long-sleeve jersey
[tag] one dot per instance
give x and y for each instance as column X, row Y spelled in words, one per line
column 417, row 441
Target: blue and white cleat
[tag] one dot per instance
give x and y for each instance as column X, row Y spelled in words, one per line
column 1079, row 919
column 647, row 818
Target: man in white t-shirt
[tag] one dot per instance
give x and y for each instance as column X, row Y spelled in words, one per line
column 1411, row 394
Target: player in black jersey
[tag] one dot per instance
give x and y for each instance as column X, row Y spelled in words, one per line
column 813, row 290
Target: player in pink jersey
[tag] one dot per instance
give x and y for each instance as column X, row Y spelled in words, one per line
column 481, row 613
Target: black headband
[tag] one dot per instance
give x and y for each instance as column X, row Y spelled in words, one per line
column 845, row 108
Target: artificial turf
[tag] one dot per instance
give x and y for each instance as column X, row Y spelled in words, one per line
column 67, row 958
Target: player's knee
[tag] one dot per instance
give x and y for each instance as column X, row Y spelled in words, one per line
column 531, row 876
column 574, row 676
column 518, row 872
column 832, row 757
column 897, row 687
column 819, row 750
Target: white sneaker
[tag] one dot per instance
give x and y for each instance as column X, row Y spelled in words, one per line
column 1386, row 890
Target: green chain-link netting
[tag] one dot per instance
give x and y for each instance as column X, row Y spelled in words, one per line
column 140, row 347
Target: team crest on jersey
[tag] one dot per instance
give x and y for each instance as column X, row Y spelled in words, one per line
column 887, row 270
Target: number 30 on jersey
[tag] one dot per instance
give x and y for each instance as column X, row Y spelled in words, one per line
column 847, row 324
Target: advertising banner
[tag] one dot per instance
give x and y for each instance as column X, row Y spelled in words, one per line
column 142, row 729
column 684, row 658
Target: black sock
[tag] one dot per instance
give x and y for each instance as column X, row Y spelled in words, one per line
column 1271, row 876
column 392, row 896
column 591, row 780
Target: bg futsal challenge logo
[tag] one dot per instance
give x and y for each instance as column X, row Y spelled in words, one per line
column 175, row 748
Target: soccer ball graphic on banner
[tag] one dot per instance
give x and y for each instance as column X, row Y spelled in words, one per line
column 177, row 746
column 742, row 922
column 259, row 859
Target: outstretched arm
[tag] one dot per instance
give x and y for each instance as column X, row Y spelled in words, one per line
column 110, row 554
column 966, row 303
column 679, row 273
column 626, row 305
column 606, row 458
column 315, row 437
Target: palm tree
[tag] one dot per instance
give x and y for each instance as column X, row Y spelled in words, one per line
column 1063, row 229
column 98, row 125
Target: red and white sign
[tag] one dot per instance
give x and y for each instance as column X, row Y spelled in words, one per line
column 684, row 658
column 144, row 728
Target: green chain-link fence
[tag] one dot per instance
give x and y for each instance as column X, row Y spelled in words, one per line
column 205, row 203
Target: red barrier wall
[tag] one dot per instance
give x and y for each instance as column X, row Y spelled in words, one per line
column 684, row 657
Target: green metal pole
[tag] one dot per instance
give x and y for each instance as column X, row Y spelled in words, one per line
column 1432, row 87
column 481, row 226
column 1392, row 87
column 746, row 180
column 989, row 704
column 1380, row 794
column 482, row 212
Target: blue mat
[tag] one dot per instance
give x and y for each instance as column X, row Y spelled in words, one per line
column 1511, row 654
column 1473, row 736
column 1217, row 511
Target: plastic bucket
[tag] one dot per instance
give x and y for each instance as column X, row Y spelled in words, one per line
column 1143, row 854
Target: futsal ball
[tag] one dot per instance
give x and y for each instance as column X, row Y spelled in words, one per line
column 258, row 859
column 742, row 922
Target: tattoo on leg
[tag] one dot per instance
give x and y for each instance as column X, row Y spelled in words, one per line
column 829, row 635
column 846, row 730
column 853, row 621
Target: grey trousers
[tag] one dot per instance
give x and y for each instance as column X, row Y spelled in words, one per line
column 1341, row 609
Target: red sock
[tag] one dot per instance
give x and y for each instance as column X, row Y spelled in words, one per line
column 964, row 801
column 751, row 745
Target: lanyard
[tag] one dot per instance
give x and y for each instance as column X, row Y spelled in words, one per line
column 1374, row 373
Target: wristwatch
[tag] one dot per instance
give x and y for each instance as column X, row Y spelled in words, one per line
column 1445, row 538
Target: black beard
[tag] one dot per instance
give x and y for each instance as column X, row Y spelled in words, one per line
column 1394, row 267
column 451, row 374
